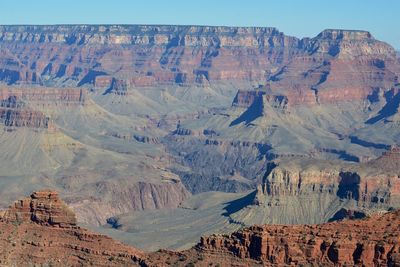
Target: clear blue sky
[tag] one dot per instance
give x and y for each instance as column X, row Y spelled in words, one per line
column 300, row 18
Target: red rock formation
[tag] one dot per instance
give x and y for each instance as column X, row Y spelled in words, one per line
column 247, row 99
column 41, row 230
column 42, row 207
column 338, row 66
column 371, row 242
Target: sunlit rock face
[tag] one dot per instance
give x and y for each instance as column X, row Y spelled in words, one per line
column 336, row 65
column 330, row 244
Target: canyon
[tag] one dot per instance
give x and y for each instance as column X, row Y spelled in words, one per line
column 139, row 127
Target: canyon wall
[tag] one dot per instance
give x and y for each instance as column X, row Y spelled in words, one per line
column 336, row 65
column 140, row 55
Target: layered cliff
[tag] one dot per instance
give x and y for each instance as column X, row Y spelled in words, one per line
column 23, row 118
column 369, row 242
column 160, row 54
column 334, row 66
column 376, row 180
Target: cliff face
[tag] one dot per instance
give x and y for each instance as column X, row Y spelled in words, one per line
column 338, row 66
column 335, row 65
column 369, row 242
column 374, row 181
column 160, row 54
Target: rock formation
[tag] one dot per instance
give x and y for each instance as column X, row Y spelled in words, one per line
column 389, row 161
column 42, row 230
column 369, row 242
column 43, row 207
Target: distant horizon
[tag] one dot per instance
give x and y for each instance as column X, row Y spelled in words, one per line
column 183, row 25
column 298, row 18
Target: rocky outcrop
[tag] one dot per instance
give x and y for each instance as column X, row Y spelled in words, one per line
column 258, row 104
column 42, row 207
column 134, row 137
column 370, row 242
column 347, row 214
column 117, row 86
column 346, row 44
column 246, row 99
column 41, row 230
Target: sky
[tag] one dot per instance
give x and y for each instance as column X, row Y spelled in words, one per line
column 300, row 18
